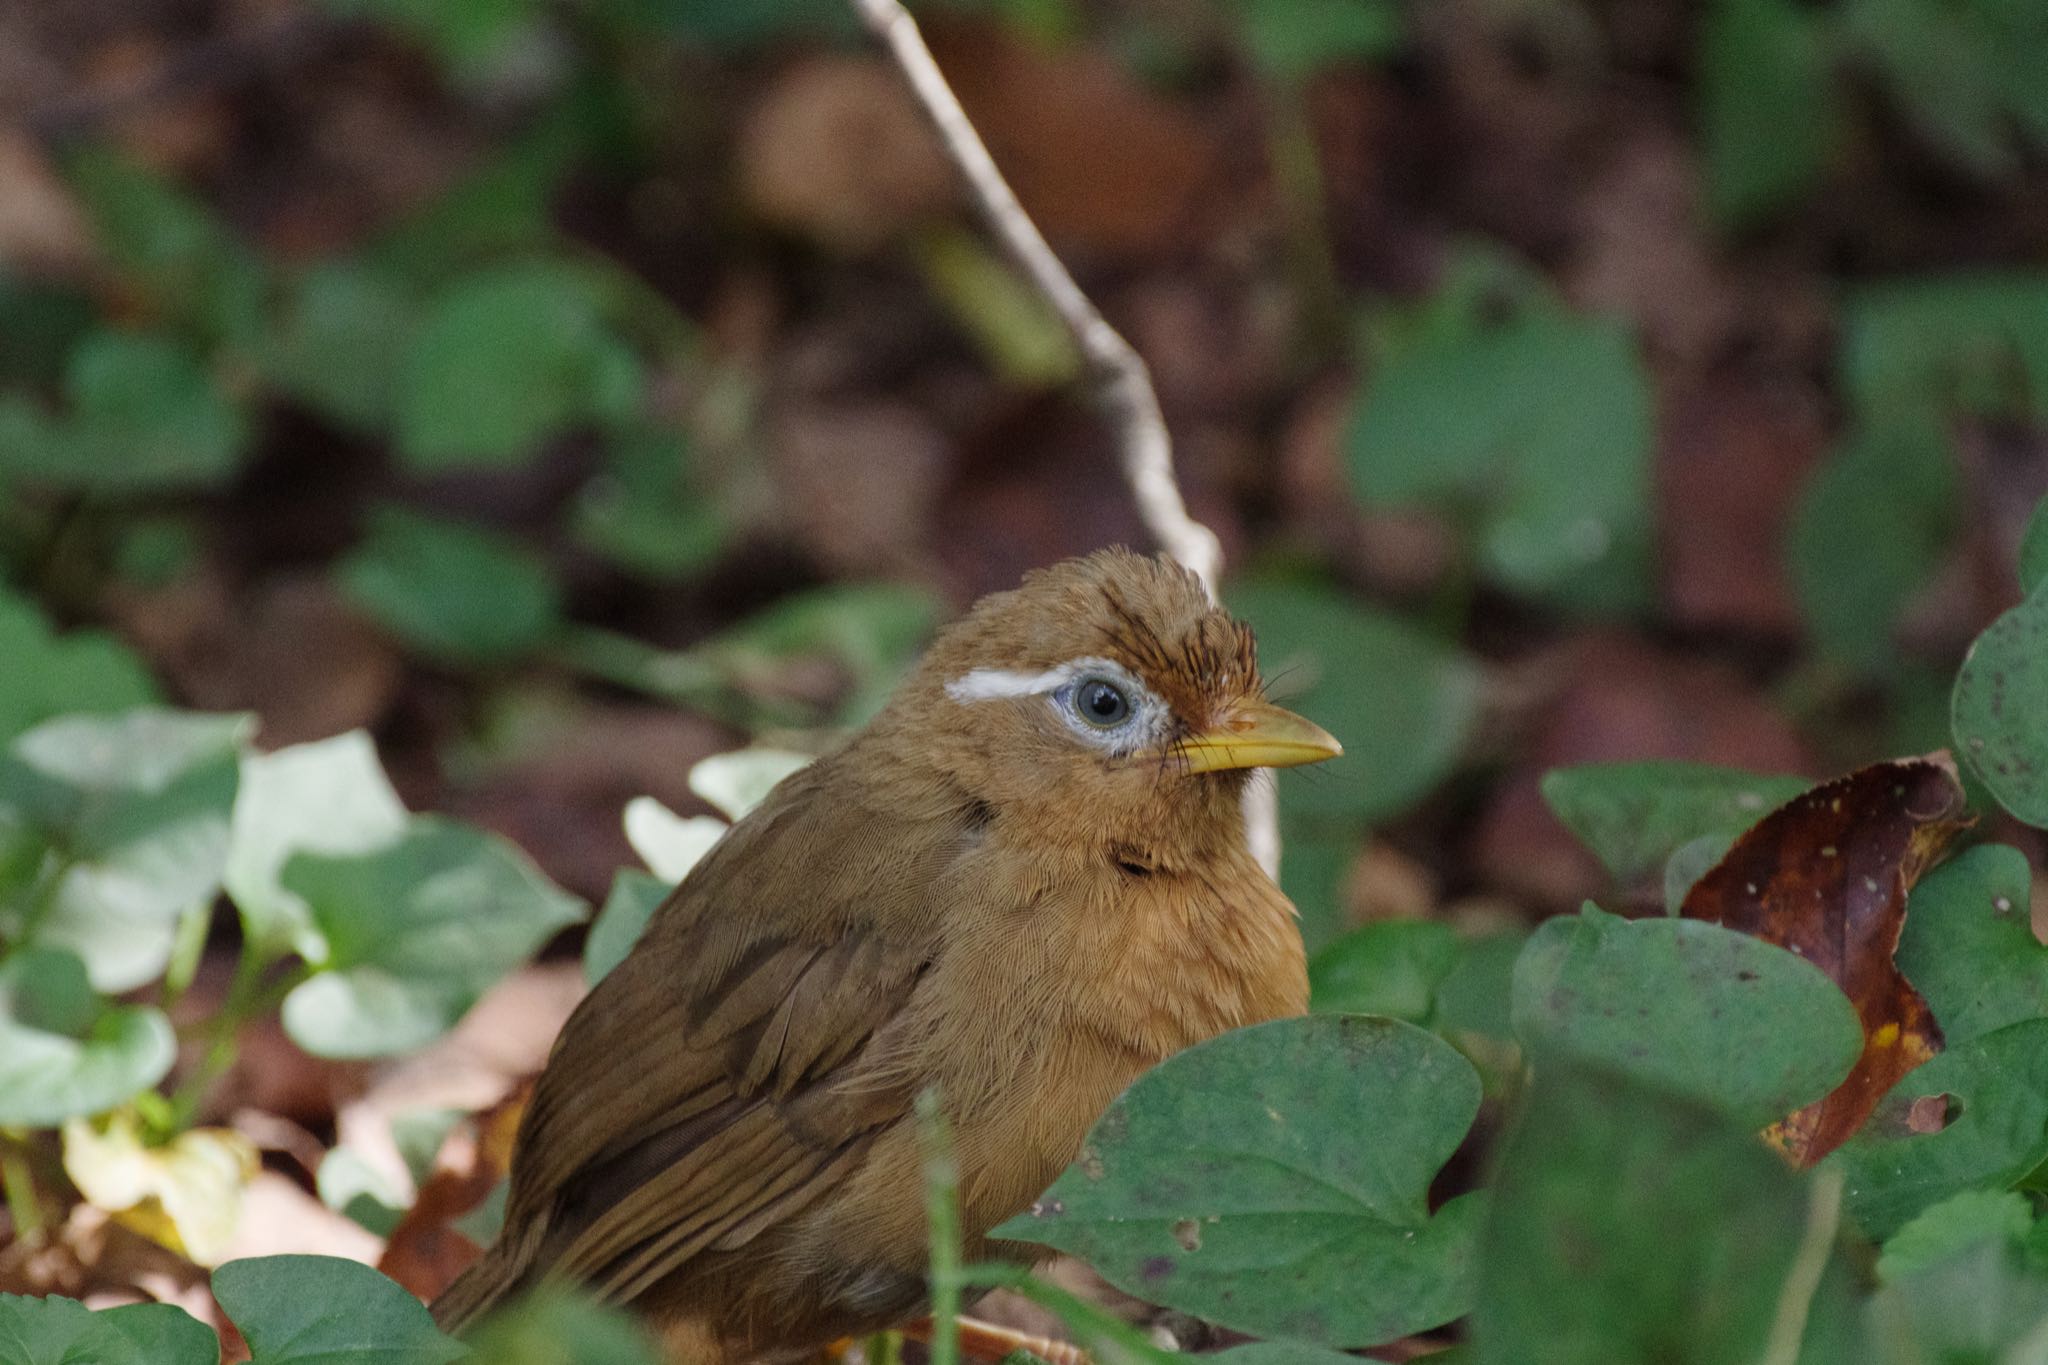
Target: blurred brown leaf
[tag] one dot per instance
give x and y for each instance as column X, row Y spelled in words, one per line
column 42, row 228
column 1826, row 875
column 836, row 149
column 1099, row 162
column 426, row 1252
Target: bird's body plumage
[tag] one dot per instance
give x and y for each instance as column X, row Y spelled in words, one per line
column 961, row 898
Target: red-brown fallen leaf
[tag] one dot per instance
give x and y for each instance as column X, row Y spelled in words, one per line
column 426, row 1252
column 1826, row 875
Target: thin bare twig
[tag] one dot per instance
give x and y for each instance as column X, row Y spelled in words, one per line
column 1122, row 384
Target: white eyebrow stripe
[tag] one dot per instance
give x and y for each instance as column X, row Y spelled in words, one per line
column 994, row 684
column 991, row 684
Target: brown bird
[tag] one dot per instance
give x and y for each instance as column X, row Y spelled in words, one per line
column 1023, row 883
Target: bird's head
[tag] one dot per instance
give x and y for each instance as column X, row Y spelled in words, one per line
column 1104, row 697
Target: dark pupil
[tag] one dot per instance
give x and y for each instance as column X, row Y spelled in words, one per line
column 1103, row 703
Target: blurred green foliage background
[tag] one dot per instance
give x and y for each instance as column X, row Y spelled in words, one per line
column 454, row 368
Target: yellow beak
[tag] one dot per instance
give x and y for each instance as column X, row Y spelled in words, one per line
column 1257, row 734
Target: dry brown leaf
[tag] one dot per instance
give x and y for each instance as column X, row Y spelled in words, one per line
column 1826, row 876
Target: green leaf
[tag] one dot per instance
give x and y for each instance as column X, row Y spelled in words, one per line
column 644, row 514
column 1403, row 704
column 558, row 1328
column 51, row 675
column 634, row 898
column 45, row 319
column 1967, row 73
column 1870, row 530
column 871, row 630
column 1275, row 1180
column 740, row 779
column 2000, row 709
column 2034, row 551
column 1628, row 1225
column 1969, row 945
column 1997, row 1129
column 1634, row 816
column 191, row 268
column 340, row 343
column 1392, row 967
column 1477, row 996
column 144, row 416
column 1983, row 1303
column 360, row 1191
column 455, row 592
column 128, row 819
column 668, row 843
column 1536, row 430
column 166, row 1335
column 1294, row 39
column 505, row 359
column 1955, row 1224
column 330, row 796
column 1689, row 862
column 416, row 932
column 472, row 36
column 1316, row 858
column 1975, row 342
column 1768, row 107
column 65, row 1052
column 322, row 1310
column 1686, row 1007
column 61, row 1331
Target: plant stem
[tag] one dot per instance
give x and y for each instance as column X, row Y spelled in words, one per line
column 186, row 951
column 942, row 1215
column 1109, row 1339
column 24, row 1207
column 248, row 997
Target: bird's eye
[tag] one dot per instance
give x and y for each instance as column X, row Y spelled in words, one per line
column 1101, row 703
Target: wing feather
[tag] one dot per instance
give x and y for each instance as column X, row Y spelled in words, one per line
column 737, row 1064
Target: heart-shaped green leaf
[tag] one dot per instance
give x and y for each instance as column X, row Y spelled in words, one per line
column 1631, row 1225
column 1687, row 1007
column 322, row 1310
column 1390, row 967
column 2034, row 551
column 415, row 932
column 1276, row 1180
column 2000, row 709
column 61, row 1331
column 127, row 821
column 1536, row 425
column 1634, row 816
column 65, row 1052
column 341, row 342
column 452, row 591
column 1955, row 1224
column 330, row 796
column 504, row 359
column 1969, row 944
column 50, row 675
column 1981, row 1124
